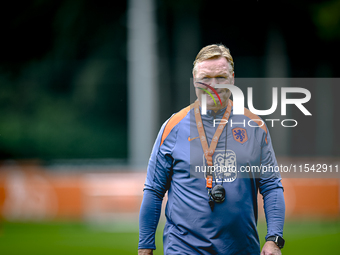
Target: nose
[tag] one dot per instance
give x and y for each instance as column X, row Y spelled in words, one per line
column 213, row 82
column 210, row 82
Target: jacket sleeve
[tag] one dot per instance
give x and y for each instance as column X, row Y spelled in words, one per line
column 156, row 184
column 271, row 188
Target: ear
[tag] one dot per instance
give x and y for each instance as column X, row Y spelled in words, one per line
column 233, row 78
column 193, row 77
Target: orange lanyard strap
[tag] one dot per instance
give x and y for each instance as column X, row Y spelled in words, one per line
column 210, row 150
column 209, row 180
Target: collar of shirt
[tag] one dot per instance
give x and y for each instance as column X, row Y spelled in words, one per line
column 214, row 115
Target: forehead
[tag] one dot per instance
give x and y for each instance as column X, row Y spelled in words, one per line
column 213, row 66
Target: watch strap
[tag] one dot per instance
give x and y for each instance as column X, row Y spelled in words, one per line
column 278, row 240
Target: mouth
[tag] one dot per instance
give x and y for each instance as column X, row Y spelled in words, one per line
column 212, row 89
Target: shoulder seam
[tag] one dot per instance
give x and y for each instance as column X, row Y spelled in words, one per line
column 173, row 121
column 257, row 120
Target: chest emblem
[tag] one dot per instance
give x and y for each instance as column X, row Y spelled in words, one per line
column 225, row 166
column 240, row 135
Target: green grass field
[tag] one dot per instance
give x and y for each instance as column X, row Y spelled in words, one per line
column 309, row 237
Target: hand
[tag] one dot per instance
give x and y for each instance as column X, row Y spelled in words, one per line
column 270, row 248
column 145, row 252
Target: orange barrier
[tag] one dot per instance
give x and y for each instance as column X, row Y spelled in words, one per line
column 30, row 192
column 312, row 197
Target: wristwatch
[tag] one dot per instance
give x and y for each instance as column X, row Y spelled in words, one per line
column 278, row 240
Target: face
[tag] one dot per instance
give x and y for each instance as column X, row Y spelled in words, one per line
column 211, row 72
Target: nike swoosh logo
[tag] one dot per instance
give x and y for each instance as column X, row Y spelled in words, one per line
column 190, row 139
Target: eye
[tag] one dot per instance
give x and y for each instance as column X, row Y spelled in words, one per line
column 221, row 79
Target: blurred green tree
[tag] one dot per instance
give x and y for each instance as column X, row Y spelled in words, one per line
column 63, row 80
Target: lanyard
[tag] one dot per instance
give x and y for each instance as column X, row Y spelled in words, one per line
column 210, row 150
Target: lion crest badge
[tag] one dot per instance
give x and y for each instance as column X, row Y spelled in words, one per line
column 240, row 135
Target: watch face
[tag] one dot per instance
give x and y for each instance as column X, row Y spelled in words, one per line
column 278, row 240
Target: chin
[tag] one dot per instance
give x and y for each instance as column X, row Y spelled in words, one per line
column 213, row 107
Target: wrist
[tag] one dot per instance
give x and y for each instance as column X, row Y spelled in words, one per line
column 278, row 240
column 145, row 252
